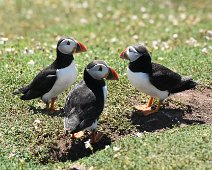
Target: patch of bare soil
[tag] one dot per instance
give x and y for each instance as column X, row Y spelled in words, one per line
column 189, row 107
column 198, row 103
column 73, row 149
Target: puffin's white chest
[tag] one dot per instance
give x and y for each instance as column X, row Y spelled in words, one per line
column 141, row 82
column 65, row 78
column 105, row 93
column 67, row 75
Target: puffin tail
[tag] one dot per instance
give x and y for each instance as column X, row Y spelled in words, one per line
column 22, row 90
column 186, row 84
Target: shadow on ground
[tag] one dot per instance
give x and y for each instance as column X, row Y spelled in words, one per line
column 165, row 118
column 74, row 149
column 58, row 113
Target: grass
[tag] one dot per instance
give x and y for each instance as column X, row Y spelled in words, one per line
column 190, row 148
column 106, row 28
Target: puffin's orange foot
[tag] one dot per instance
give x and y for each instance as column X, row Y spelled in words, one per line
column 77, row 135
column 140, row 107
column 145, row 110
column 96, row 137
column 148, row 110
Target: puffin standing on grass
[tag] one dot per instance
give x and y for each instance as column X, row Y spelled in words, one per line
column 57, row 77
column 151, row 78
column 86, row 101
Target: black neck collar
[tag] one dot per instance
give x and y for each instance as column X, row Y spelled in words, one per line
column 63, row 60
column 92, row 83
column 142, row 64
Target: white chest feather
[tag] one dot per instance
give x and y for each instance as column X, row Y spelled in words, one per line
column 65, row 78
column 141, row 82
column 105, row 92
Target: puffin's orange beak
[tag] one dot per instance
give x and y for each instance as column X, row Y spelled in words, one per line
column 112, row 74
column 80, row 47
column 123, row 54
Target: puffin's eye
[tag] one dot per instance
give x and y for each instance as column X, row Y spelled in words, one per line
column 68, row 43
column 100, row 68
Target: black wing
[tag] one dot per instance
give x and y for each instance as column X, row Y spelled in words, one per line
column 163, row 78
column 40, row 85
column 81, row 108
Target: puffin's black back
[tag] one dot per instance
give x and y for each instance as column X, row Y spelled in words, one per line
column 164, row 78
column 84, row 104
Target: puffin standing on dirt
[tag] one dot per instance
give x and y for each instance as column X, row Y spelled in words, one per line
column 57, row 77
column 151, row 78
column 86, row 101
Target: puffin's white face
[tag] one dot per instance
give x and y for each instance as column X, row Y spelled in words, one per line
column 132, row 54
column 67, row 46
column 99, row 71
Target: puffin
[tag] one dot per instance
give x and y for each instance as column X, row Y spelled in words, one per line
column 55, row 78
column 153, row 79
column 85, row 103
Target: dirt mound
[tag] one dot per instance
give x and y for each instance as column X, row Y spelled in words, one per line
column 198, row 104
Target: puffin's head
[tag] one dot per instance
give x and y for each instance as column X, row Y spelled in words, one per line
column 70, row 46
column 134, row 52
column 98, row 69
